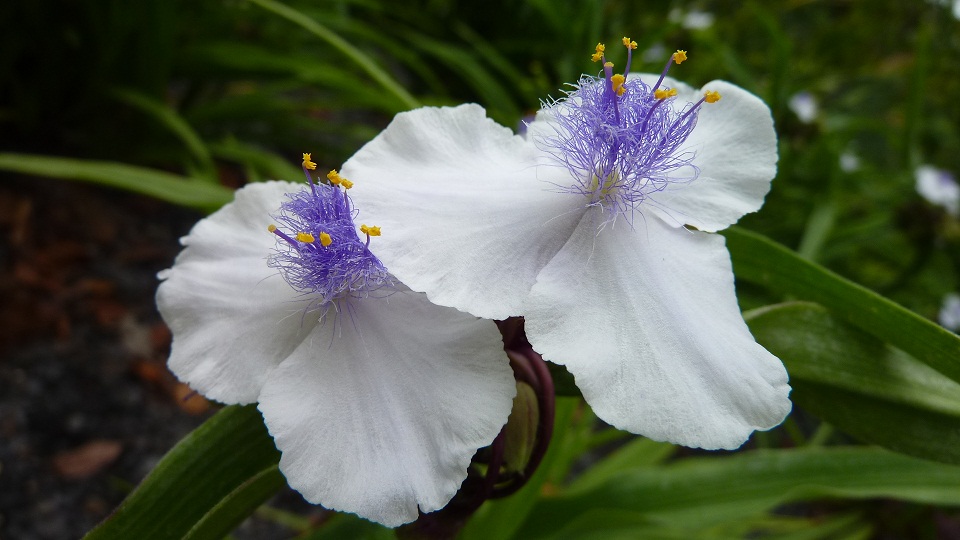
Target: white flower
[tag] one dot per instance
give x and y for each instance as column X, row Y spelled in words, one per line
column 694, row 19
column 950, row 312
column 597, row 227
column 654, row 53
column 938, row 187
column 953, row 4
column 805, row 106
column 849, row 161
column 376, row 398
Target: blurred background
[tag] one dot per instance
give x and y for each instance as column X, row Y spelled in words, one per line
column 159, row 107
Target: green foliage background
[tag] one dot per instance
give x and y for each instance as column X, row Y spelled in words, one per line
column 178, row 99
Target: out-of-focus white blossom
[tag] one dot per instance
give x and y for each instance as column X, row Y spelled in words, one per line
column 939, row 187
column 805, row 106
column 693, row 19
column 654, row 53
column 849, row 162
column 950, row 312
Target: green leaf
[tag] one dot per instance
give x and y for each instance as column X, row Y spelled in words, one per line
column 495, row 96
column 342, row 526
column 639, row 452
column 701, row 492
column 161, row 185
column 621, row 524
column 860, row 384
column 176, row 124
column 362, row 60
column 762, row 261
column 238, row 505
column 563, row 381
column 602, row 524
column 205, row 486
column 242, row 60
column 265, row 163
column 849, row 527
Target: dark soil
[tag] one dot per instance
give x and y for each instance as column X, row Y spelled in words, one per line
column 87, row 406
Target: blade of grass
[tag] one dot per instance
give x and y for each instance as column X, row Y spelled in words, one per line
column 161, row 185
column 700, row 492
column 860, row 384
column 205, row 486
column 760, row 260
column 362, row 60
column 177, row 125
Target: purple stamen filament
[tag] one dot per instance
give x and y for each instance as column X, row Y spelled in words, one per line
column 621, row 147
column 321, row 254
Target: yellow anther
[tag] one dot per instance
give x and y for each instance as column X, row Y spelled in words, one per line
column 679, row 56
column 334, row 177
column 629, row 44
column 608, row 65
column 304, row 237
column 307, row 163
column 325, row 239
column 711, row 96
column 617, row 81
column 598, row 55
column 662, row 94
column 370, row 231
column 346, row 183
column 272, row 227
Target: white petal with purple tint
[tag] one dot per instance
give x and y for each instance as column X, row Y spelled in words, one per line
column 467, row 215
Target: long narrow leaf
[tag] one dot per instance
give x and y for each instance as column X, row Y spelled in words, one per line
column 704, row 491
column 860, row 384
column 162, row 185
column 362, row 60
column 760, row 260
column 176, row 124
column 205, row 486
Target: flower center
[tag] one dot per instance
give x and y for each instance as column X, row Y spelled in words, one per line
column 621, row 139
column 318, row 250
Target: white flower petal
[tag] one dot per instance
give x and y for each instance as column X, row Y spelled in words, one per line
column 382, row 412
column 736, row 151
column 648, row 323
column 233, row 318
column 466, row 214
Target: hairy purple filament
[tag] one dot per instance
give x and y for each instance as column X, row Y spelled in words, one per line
column 344, row 268
column 620, row 148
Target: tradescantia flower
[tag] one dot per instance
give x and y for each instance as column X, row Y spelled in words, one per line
column 597, row 226
column 376, row 398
